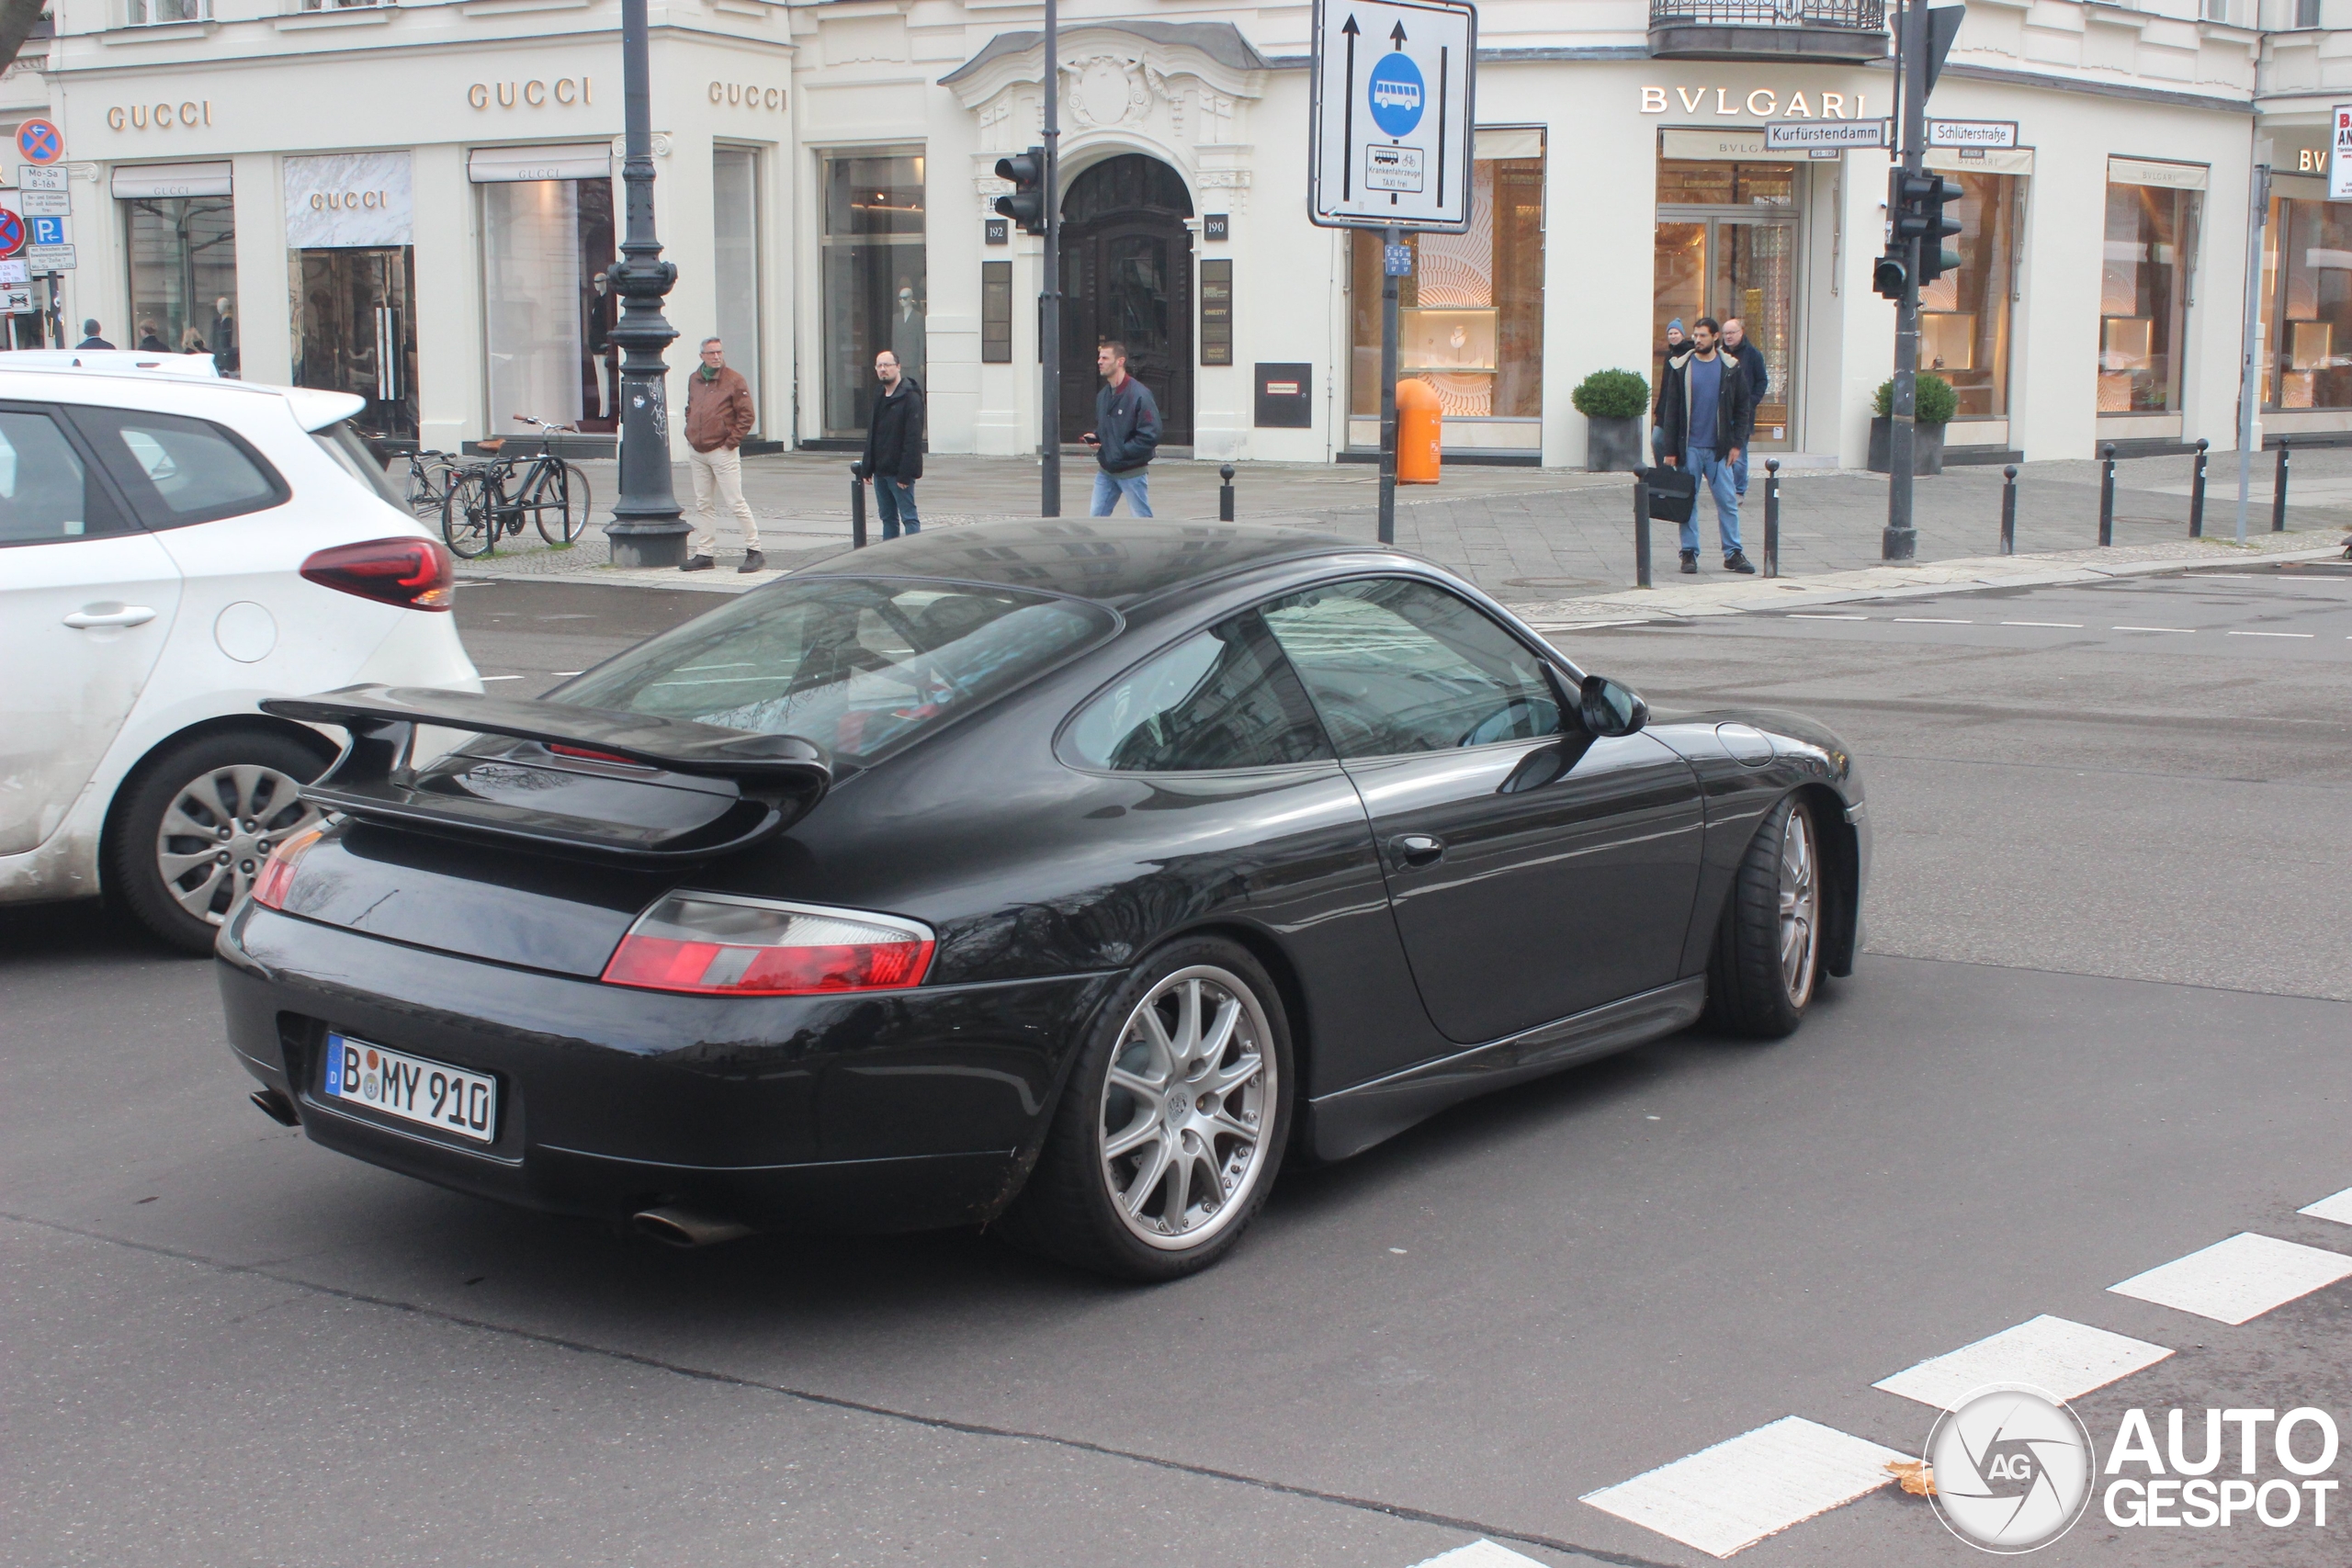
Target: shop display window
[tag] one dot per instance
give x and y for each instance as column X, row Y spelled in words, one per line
column 1726, row 245
column 875, row 290
column 1964, row 314
column 2143, row 296
column 1470, row 318
column 735, row 210
column 550, row 307
column 2310, row 326
column 183, row 277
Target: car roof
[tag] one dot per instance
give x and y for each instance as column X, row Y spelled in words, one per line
column 112, row 361
column 1114, row 562
column 49, row 381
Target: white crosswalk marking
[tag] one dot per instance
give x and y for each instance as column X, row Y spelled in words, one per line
column 2238, row 1280
column 1756, row 1485
column 1479, row 1554
column 2061, row 1359
column 2337, row 1208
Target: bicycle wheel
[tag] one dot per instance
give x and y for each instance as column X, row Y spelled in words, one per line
column 465, row 516
column 428, row 485
column 560, row 504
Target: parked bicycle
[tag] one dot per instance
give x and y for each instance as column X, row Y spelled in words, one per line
column 429, row 473
column 491, row 501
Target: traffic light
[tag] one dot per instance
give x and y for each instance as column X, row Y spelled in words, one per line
column 1026, row 205
column 1888, row 276
column 1920, row 200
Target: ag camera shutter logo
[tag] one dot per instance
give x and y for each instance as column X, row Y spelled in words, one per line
column 1397, row 92
column 2013, row 1468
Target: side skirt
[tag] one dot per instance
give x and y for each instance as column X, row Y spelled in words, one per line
column 1353, row 1120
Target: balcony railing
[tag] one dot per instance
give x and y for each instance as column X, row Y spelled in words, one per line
column 1720, row 29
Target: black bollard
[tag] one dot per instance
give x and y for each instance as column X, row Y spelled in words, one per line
column 1772, row 518
column 1224, row 494
column 2278, row 493
column 856, row 509
column 1641, row 532
column 2196, row 494
column 2106, row 494
column 2008, row 509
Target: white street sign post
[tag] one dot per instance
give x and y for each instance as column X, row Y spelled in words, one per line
column 48, row 259
column 1972, row 133
column 44, row 203
column 1824, row 135
column 2339, row 163
column 1394, row 86
column 40, row 176
column 16, row 299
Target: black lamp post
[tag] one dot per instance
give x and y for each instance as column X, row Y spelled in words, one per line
column 647, row 528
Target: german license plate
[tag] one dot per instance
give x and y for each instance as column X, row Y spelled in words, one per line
column 396, row 1084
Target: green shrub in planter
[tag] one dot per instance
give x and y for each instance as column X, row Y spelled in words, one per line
column 1611, row 394
column 1934, row 402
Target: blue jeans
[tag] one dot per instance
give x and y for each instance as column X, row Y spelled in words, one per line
column 1718, row 476
column 1135, row 486
column 1739, row 473
column 894, row 502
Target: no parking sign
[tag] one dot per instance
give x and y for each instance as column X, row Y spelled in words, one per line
column 37, row 142
column 12, row 233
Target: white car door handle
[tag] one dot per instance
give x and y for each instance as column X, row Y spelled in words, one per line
column 129, row 616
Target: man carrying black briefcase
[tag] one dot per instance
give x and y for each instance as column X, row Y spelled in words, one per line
column 1705, row 416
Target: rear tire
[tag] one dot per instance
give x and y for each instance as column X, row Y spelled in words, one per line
column 466, row 516
column 561, row 508
column 167, row 862
column 1172, row 1125
column 1767, row 962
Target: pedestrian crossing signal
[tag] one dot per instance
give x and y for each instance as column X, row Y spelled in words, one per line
column 1026, row 205
column 1889, row 275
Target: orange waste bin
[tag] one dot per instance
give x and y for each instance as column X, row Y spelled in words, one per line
column 1418, row 420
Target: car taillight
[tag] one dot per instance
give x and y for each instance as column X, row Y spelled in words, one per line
column 276, row 878
column 417, row 574
column 725, row 944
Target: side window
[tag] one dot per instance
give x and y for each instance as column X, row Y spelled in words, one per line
column 1399, row 666
column 178, row 470
column 47, row 494
column 1224, row 699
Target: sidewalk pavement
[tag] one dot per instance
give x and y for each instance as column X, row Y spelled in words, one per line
column 1553, row 541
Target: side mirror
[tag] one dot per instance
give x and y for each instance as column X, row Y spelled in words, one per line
column 1608, row 708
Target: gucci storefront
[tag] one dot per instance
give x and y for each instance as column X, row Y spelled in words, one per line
column 455, row 278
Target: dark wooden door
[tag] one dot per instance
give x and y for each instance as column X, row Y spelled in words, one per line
column 1128, row 273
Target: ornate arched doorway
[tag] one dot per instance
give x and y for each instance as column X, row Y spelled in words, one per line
column 1128, row 273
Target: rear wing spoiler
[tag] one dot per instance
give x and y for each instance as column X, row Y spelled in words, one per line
column 620, row 785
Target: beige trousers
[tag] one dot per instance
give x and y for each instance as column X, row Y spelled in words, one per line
column 718, row 482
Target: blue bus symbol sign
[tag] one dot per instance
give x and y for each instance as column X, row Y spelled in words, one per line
column 1396, row 94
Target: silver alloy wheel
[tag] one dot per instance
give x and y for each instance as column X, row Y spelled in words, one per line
column 1800, row 907
column 218, row 830
column 1185, row 1105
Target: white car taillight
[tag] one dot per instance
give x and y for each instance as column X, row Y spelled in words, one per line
column 727, row 944
column 276, row 878
column 416, row 574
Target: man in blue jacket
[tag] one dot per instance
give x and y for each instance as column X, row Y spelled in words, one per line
column 1125, row 433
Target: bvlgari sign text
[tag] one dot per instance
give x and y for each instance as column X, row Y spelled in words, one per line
column 1762, row 103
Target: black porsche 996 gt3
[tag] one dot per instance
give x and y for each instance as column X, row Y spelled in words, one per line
column 1068, row 877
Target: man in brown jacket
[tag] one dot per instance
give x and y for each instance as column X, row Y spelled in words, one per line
column 718, row 415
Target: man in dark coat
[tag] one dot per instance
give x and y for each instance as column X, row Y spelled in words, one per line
column 1707, row 417
column 1737, row 344
column 1676, row 341
column 894, row 447
column 1126, row 435
column 90, row 338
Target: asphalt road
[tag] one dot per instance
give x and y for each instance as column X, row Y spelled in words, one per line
column 2101, row 1023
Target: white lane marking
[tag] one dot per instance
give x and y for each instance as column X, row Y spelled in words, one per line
column 2190, row 630
column 2338, row 1208
column 2273, row 634
column 1756, row 1485
column 2066, row 626
column 2238, row 1280
column 1933, row 621
column 1479, row 1554
column 2061, row 1358
column 1800, row 616
column 502, row 677
column 563, row 672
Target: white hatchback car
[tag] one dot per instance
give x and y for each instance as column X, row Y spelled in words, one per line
column 173, row 550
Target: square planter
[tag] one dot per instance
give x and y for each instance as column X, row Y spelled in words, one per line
column 1926, row 447
column 1613, row 445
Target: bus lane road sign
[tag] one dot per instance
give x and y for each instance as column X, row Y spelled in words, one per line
column 1395, row 84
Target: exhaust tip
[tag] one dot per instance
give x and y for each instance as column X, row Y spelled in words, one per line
column 686, row 1228
column 274, row 1104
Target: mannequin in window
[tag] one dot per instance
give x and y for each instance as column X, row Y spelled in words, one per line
column 907, row 331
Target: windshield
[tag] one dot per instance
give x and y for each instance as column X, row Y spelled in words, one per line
column 855, row 664
column 349, row 449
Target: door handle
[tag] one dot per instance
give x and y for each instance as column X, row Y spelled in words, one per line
column 125, row 615
column 1417, row 849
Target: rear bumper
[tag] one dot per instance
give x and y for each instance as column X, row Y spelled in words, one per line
column 892, row 1112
